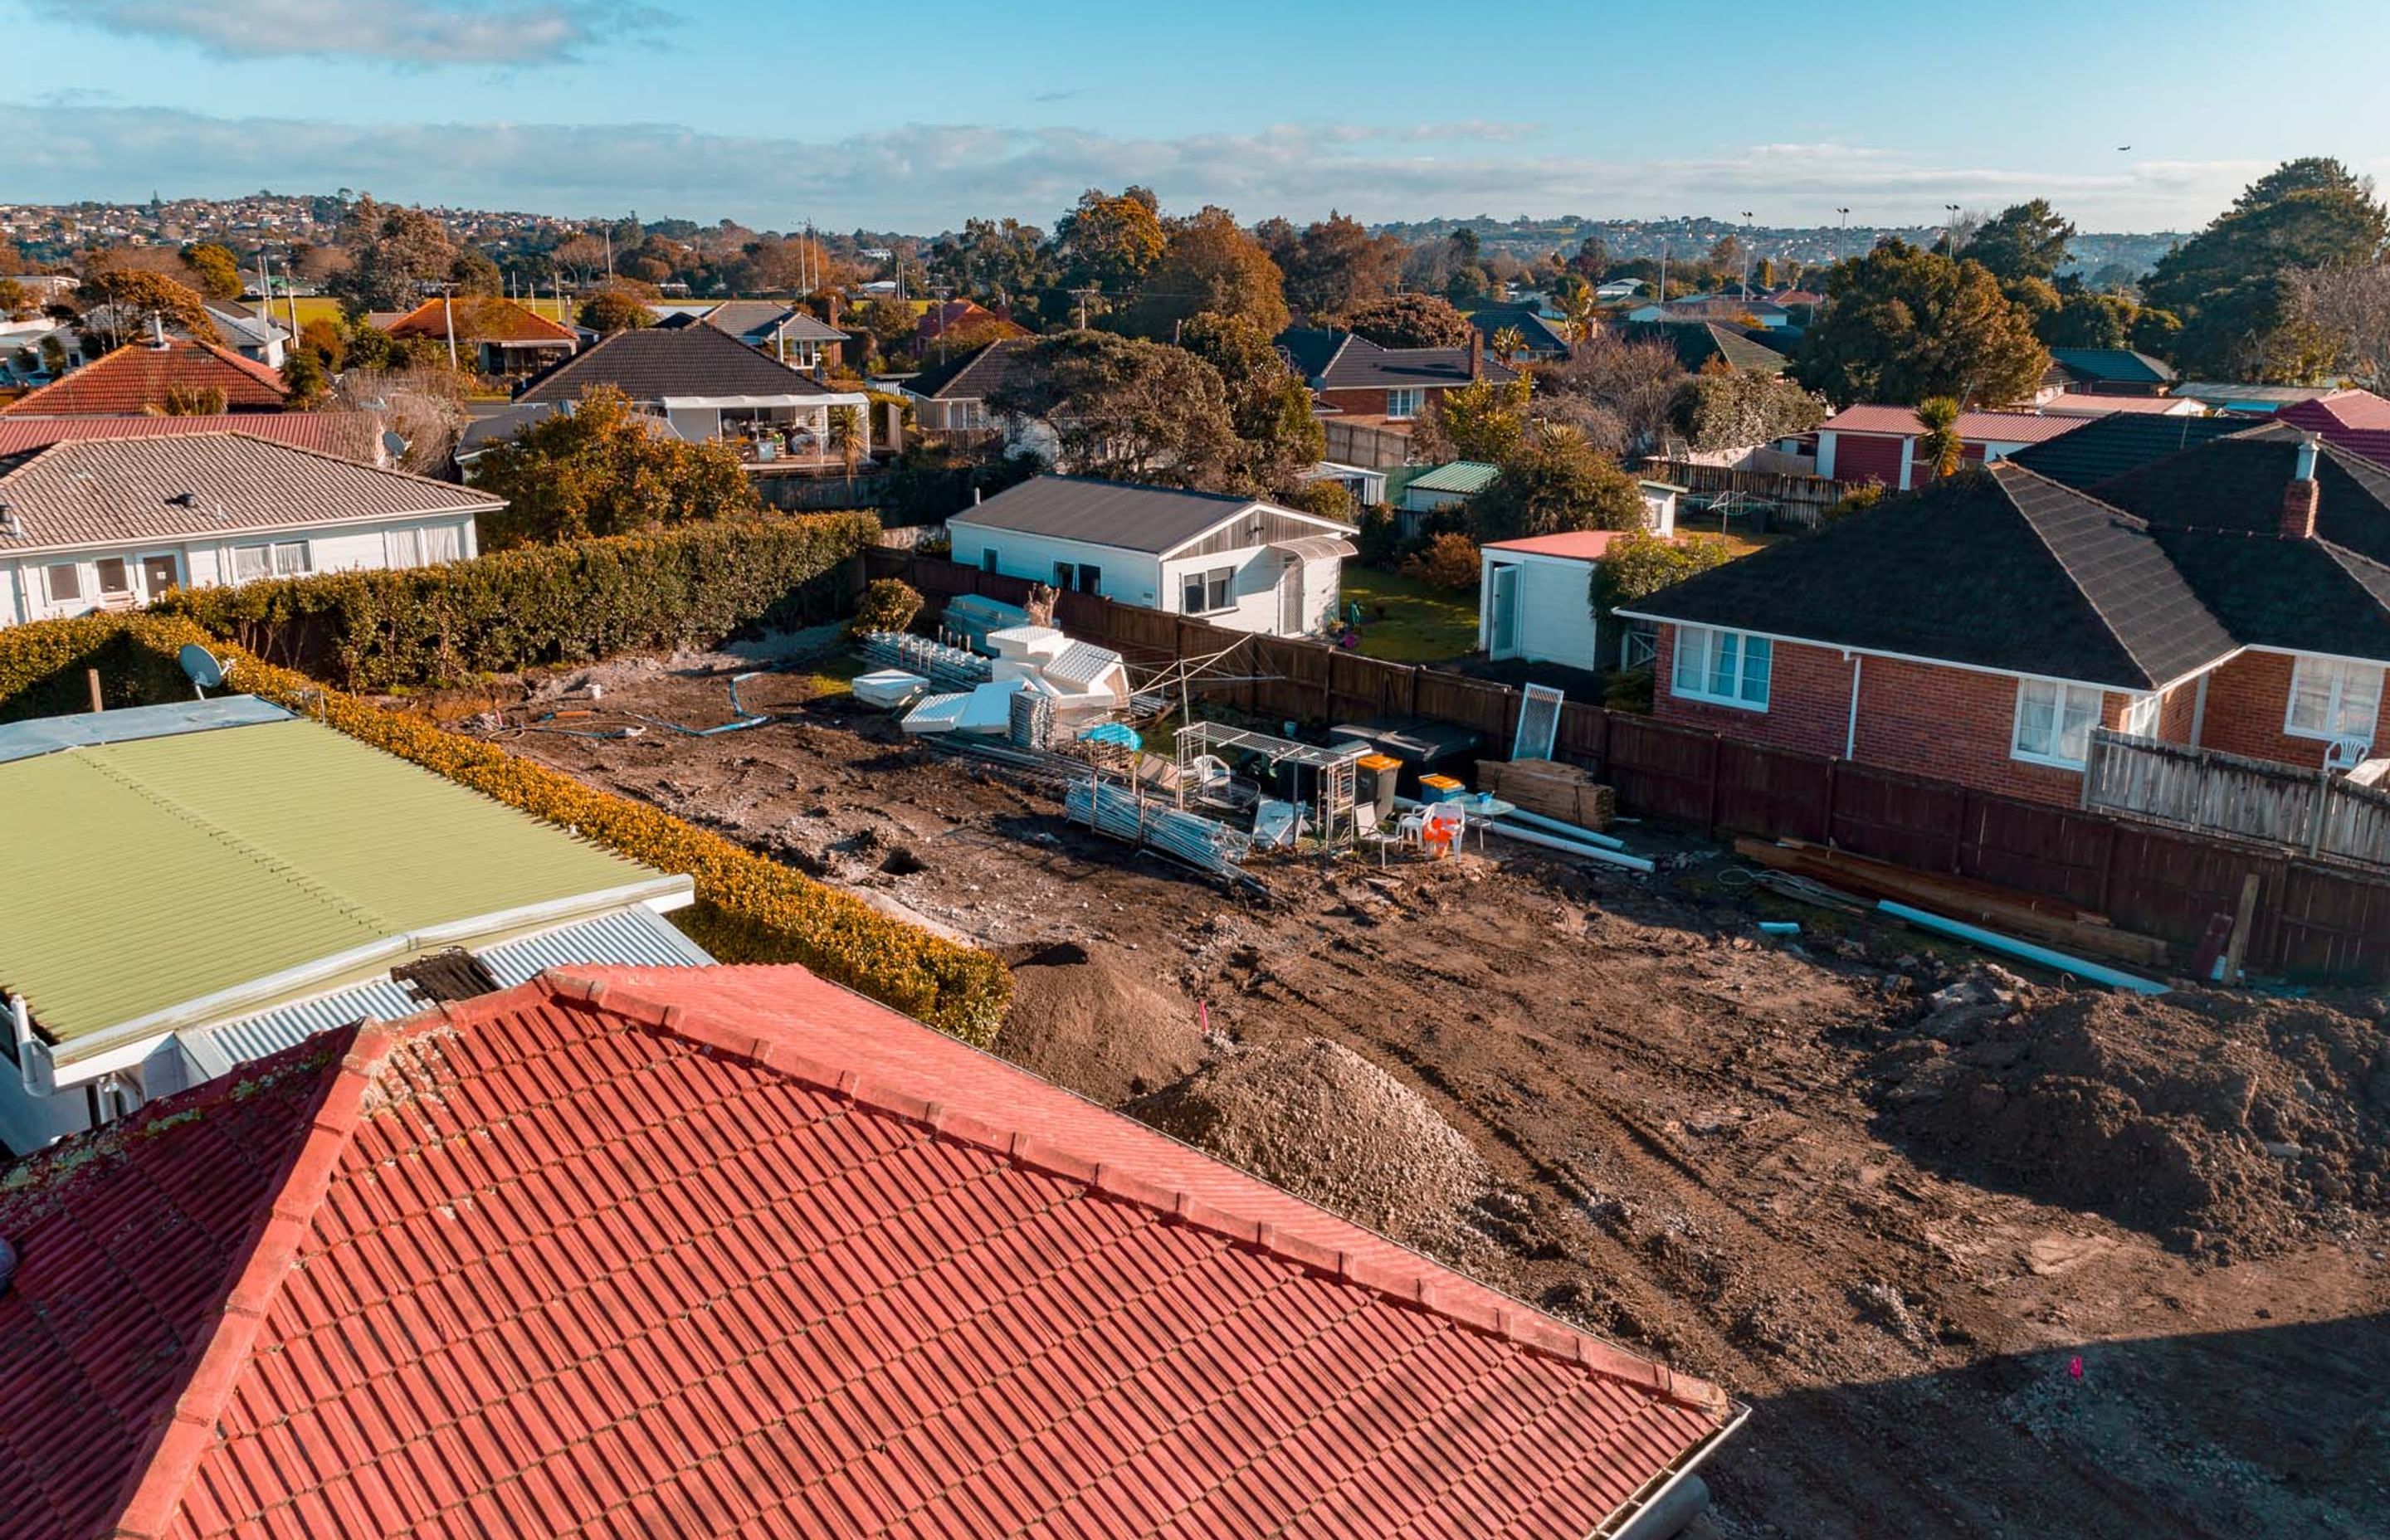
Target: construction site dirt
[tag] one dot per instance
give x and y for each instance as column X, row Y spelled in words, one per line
column 1776, row 1164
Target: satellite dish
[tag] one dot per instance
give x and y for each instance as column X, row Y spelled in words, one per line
column 201, row 668
column 393, row 445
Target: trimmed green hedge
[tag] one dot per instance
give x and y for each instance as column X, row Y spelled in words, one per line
column 750, row 909
column 537, row 605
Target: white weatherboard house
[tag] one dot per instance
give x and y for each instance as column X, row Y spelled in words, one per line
column 1235, row 561
column 196, row 885
column 92, row 524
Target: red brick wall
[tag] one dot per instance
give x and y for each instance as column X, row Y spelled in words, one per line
column 1372, row 403
column 2247, row 699
column 1946, row 722
column 2177, row 711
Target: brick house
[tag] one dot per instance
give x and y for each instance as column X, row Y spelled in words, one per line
column 2233, row 597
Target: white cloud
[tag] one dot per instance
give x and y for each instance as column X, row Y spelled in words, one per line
column 398, row 32
column 927, row 177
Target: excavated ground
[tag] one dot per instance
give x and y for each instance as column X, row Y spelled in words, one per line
column 2006, row 1262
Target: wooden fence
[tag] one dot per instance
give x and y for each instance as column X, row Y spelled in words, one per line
column 1367, row 444
column 2309, row 811
column 1800, row 501
column 2313, row 919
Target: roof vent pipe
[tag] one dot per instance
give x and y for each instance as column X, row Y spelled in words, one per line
column 20, row 1035
column 2303, row 469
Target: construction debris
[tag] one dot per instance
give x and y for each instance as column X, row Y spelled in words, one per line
column 1551, row 789
column 1204, row 843
column 935, row 661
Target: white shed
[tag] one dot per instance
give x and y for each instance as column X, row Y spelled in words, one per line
column 1535, row 599
column 1235, row 561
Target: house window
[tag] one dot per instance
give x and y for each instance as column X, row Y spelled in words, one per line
column 251, row 562
column 1403, row 403
column 2141, row 716
column 1729, row 668
column 290, row 559
column 2331, row 699
column 2054, row 723
column 403, row 547
column 988, row 559
column 65, row 580
column 441, row 543
column 115, row 575
column 1209, row 593
column 1091, row 577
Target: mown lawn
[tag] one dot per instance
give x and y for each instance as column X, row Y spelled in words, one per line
column 1419, row 625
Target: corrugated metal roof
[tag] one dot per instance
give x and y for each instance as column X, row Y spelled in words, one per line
column 86, row 492
column 147, row 875
column 47, row 735
column 1465, row 477
column 636, row 937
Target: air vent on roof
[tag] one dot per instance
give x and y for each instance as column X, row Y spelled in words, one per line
column 184, row 500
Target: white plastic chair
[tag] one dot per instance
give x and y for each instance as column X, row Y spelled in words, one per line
column 1364, row 824
column 2347, row 753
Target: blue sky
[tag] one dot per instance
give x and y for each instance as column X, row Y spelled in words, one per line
column 914, row 115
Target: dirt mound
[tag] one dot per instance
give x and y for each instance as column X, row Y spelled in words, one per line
column 1095, row 1019
column 2222, row 1123
column 1320, row 1120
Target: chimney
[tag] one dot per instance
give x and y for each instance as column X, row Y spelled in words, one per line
column 2301, row 495
column 1476, row 355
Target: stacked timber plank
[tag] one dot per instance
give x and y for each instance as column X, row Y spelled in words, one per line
column 1550, row 790
column 1997, row 908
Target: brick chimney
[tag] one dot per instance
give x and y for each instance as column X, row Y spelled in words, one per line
column 1476, row 355
column 2301, row 495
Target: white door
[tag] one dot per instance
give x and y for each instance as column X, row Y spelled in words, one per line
column 1506, row 613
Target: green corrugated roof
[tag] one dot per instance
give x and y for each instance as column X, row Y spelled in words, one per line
column 1466, row 477
column 147, row 874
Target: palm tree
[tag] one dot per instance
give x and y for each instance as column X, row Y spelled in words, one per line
column 1508, row 342
column 846, row 436
column 1943, row 450
column 1583, row 308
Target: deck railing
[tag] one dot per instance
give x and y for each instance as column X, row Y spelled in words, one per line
column 2312, row 811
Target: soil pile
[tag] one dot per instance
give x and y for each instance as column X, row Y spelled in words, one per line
column 1094, row 1018
column 2223, row 1124
column 1322, row 1122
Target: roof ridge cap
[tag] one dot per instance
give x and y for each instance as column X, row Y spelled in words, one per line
column 171, row 1456
column 2001, row 469
column 1512, row 1320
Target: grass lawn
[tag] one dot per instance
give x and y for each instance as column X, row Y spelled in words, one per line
column 1421, row 624
column 1738, row 532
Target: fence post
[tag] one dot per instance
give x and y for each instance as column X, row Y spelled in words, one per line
column 1717, row 751
column 2316, row 811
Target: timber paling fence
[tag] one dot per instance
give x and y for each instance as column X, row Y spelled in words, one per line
column 2314, row 918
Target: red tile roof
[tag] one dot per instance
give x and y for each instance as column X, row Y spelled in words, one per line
column 731, row 1251
column 2357, row 421
column 140, row 373
column 1974, row 426
column 352, row 435
column 483, row 318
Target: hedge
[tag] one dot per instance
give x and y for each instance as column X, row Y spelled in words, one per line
column 570, row 603
column 750, row 909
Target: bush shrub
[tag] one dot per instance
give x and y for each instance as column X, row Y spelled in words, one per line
column 889, row 604
column 1446, row 562
column 750, row 909
column 537, row 605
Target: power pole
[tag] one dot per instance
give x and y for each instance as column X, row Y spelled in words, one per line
column 1083, row 294
column 1746, row 256
column 448, row 312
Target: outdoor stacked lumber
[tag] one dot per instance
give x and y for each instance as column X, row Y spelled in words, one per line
column 2002, row 909
column 1552, row 790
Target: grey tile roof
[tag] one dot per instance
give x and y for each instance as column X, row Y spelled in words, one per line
column 2105, row 448
column 972, row 376
column 1132, row 518
column 753, row 322
column 1340, row 361
column 1538, row 333
column 2117, row 366
column 655, row 362
column 98, row 492
column 1696, row 343
column 1996, row 568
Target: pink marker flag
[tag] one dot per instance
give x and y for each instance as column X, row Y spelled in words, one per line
column 2074, row 1367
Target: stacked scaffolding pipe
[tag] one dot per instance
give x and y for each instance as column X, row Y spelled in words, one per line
column 1204, row 843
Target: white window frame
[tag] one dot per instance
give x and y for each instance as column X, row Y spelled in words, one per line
column 100, row 575
column 1405, row 403
column 2061, row 695
column 406, row 539
column 2141, row 716
column 2338, row 696
column 1222, row 578
column 261, row 555
column 1701, row 642
column 290, row 559
column 74, row 576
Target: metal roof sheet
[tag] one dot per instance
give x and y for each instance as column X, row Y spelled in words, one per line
column 47, row 735
column 1466, row 477
column 155, row 874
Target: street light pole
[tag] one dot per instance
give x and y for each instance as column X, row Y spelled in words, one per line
column 1746, row 256
column 1950, row 230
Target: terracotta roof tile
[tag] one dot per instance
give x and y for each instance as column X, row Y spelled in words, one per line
column 573, row 1270
column 139, row 374
column 482, row 319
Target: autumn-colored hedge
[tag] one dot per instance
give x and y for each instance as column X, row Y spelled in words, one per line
column 570, row 603
column 750, row 909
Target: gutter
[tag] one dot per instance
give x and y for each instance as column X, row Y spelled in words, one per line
column 1619, row 1523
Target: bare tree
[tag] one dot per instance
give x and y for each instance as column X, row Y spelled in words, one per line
column 2351, row 306
column 1632, row 386
column 423, row 406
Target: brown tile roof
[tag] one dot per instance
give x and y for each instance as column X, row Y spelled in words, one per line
column 656, row 362
column 481, row 319
column 96, row 492
column 140, row 376
column 705, row 1251
column 351, row 435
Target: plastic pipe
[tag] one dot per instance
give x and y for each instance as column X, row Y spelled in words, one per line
column 2099, row 973
column 1574, row 831
column 1548, row 842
